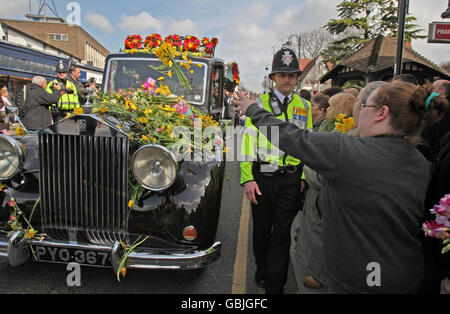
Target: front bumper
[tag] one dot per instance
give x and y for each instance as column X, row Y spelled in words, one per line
column 17, row 251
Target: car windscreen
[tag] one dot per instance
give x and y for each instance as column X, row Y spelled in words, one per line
column 126, row 73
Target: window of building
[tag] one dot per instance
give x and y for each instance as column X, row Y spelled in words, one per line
column 60, row 37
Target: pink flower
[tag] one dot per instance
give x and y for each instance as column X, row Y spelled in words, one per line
column 440, row 210
column 159, row 130
column 445, row 202
column 433, row 229
column 12, row 218
column 11, row 203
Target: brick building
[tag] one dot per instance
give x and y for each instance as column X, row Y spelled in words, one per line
column 71, row 39
column 34, row 46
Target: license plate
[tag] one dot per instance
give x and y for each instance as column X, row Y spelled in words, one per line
column 69, row 255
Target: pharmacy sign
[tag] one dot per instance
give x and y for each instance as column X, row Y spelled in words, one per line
column 439, row 32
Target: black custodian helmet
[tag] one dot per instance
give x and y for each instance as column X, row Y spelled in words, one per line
column 61, row 67
column 285, row 61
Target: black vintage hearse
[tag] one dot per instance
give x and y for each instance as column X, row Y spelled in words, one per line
column 79, row 170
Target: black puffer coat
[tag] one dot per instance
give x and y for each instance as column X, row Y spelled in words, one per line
column 37, row 102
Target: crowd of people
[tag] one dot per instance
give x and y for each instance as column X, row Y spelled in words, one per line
column 42, row 103
column 368, row 191
column 359, row 170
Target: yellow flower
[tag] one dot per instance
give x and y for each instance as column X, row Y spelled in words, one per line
column 130, row 203
column 103, row 110
column 169, row 74
column 160, row 78
column 192, row 71
column 144, row 138
column 30, row 234
column 124, row 272
column 339, row 126
column 143, row 120
column 340, row 117
column 78, row 110
column 20, row 131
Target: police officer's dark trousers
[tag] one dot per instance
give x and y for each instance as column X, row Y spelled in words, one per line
column 272, row 219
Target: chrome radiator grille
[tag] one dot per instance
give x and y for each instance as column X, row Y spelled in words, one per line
column 84, row 186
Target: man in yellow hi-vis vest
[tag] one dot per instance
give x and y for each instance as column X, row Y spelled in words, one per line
column 69, row 94
column 272, row 179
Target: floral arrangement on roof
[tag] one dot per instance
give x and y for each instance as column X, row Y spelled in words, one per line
column 175, row 40
column 133, row 42
column 189, row 43
column 440, row 227
column 343, row 123
column 209, row 45
column 153, row 41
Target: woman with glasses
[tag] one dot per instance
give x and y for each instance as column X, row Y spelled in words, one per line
column 373, row 190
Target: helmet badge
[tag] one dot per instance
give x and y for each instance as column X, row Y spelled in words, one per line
column 287, row 57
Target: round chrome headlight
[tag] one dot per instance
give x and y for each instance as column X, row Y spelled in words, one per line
column 12, row 157
column 154, row 167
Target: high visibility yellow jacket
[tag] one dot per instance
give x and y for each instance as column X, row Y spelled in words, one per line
column 256, row 147
column 67, row 101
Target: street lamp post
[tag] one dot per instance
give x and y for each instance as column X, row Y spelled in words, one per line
column 402, row 11
column 446, row 14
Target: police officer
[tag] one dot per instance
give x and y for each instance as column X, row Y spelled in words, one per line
column 69, row 95
column 272, row 179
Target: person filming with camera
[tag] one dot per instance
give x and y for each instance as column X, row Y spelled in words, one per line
column 69, row 94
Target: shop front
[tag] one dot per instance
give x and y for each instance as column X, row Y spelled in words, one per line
column 18, row 65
